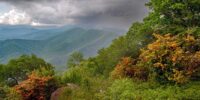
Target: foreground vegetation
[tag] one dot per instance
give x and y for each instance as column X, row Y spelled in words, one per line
column 157, row 59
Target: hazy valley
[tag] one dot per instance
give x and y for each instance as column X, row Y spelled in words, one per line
column 52, row 44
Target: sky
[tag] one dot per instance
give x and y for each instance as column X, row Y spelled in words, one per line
column 118, row 14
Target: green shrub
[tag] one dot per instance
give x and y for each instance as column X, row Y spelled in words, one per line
column 7, row 93
column 72, row 75
column 126, row 89
column 18, row 69
column 120, row 90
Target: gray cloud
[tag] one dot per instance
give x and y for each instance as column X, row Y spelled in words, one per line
column 99, row 13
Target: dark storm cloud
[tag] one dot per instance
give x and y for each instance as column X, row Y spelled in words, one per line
column 99, row 13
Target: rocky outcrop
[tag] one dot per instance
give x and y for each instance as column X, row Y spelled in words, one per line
column 56, row 94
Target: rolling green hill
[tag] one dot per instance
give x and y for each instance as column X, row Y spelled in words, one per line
column 57, row 48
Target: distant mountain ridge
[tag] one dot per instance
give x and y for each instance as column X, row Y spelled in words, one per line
column 54, row 44
column 29, row 32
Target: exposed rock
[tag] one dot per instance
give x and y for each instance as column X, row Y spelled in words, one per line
column 56, row 94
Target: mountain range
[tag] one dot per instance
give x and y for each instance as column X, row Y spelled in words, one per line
column 54, row 44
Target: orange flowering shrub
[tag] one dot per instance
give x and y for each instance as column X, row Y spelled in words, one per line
column 36, row 87
column 127, row 68
column 172, row 58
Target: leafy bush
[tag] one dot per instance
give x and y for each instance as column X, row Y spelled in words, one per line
column 84, row 76
column 36, row 87
column 7, row 93
column 79, row 74
column 126, row 89
column 44, row 72
column 120, row 90
column 72, row 75
column 18, row 69
column 90, row 89
column 127, row 68
column 172, row 58
column 3, row 92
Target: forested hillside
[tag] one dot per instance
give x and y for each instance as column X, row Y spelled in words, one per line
column 158, row 59
column 55, row 45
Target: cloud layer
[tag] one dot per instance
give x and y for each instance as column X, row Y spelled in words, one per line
column 14, row 17
column 99, row 13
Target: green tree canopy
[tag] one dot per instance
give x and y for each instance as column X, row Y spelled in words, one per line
column 173, row 16
column 75, row 59
column 19, row 68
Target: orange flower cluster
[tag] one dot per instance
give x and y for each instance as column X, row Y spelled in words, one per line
column 127, row 68
column 169, row 59
column 36, row 87
column 173, row 58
